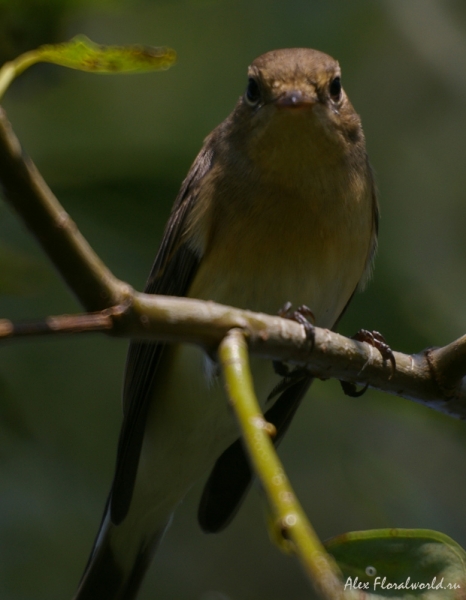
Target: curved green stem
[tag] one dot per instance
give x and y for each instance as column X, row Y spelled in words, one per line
column 291, row 519
column 13, row 68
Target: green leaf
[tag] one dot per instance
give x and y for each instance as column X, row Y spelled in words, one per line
column 401, row 564
column 83, row 54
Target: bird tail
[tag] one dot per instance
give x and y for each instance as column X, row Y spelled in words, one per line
column 117, row 563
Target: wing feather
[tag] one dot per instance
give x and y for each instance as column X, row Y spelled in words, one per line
column 173, row 271
column 232, row 475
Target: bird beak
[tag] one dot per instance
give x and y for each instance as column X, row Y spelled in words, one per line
column 295, row 99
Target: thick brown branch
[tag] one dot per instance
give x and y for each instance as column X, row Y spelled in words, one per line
column 87, row 276
column 330, row 356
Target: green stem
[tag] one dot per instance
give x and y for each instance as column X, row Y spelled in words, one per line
column 12, row 69
column 291, row 519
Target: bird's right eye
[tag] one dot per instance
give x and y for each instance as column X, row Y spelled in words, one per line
column 253, row 92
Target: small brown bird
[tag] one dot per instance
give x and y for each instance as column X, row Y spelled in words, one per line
column 278, row 206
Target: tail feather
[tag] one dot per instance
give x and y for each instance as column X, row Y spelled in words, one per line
column 107, row 576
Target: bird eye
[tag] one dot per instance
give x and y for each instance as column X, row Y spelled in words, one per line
column 335, row 89
column 253, row 92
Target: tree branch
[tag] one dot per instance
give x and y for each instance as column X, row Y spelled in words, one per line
column 83, row 271
column 433, row 378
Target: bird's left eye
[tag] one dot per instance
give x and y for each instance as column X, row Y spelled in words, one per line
column 335, row 89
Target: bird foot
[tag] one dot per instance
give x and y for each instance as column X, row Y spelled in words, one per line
column 302, row 315
column 377, row 341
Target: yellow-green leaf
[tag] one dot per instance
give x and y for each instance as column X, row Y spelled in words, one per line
column 83, row 54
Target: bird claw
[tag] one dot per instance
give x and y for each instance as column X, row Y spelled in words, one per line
column 377, row 341
column 301, row 315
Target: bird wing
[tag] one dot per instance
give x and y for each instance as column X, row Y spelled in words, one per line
column 173, row 271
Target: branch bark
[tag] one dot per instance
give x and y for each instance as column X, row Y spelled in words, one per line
column 433, row 377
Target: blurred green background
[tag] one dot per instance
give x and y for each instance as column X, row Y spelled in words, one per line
column 115, row 149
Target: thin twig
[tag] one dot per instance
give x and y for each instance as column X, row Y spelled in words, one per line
column 62, row 324
column 290, row 517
